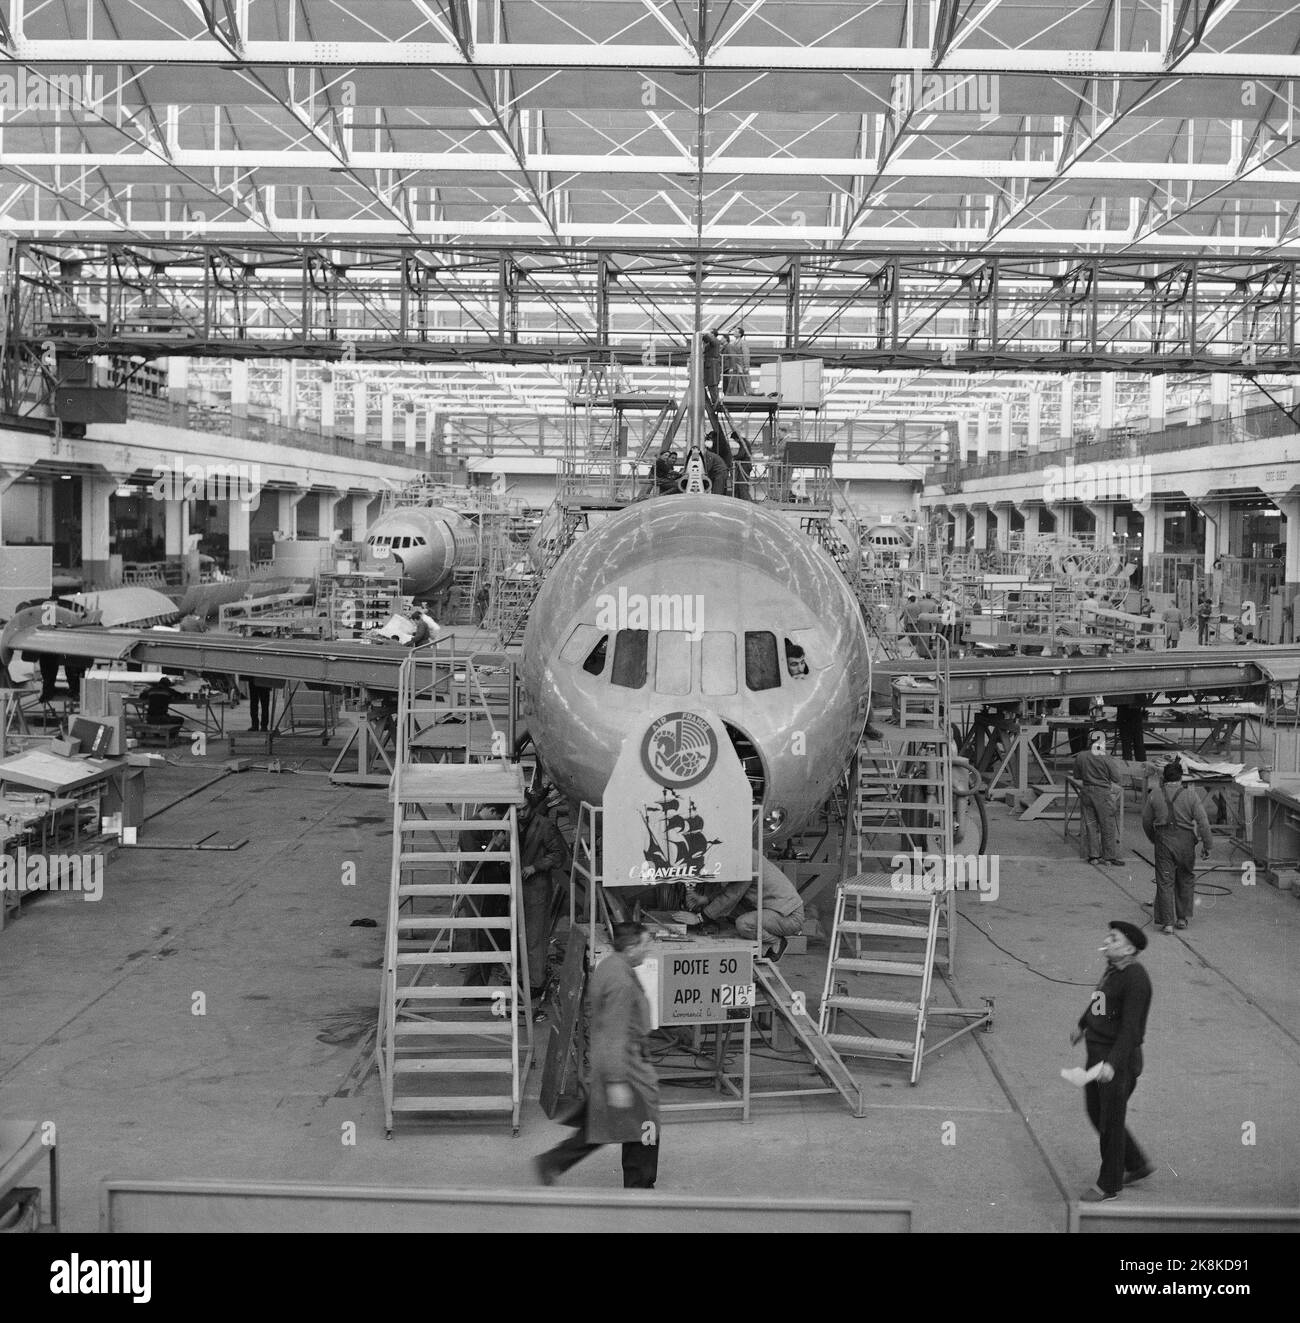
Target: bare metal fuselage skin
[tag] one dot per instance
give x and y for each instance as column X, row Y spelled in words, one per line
column 752, row 571
column 424, row 543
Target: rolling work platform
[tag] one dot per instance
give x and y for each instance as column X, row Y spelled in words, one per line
column 451, row 1043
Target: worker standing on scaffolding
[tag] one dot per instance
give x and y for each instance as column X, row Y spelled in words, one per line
column 712, row 343
column 741, row 350
column 731, row 366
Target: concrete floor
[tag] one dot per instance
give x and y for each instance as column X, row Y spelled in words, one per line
column 98, row 1031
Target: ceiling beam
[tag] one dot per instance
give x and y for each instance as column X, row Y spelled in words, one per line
column 377, row 54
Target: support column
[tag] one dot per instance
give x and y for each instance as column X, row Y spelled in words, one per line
column 239, row 387
column 238, row 514
column 178, row 380
column 980, row 516
column 7, row 479
column 386, row 420
column 1220, row 393
column 1060, row 512
column 95, row 496
column 286, row 522
column 176, row 517
column 1002, row 534
column 1215, row 543
column 1067, row 409
column 328, row 404
column 1153, row 528
column 1104, row 516
column 1106, row 412
column 1005, row 428
column 1035, row 421
column 963, row 439
column 360, row 418
column 412, row 420
column 360, row 520
column 1157, row 385
column 326, row 502
column 982, row 436
column 1290, row 507
column 288, row 393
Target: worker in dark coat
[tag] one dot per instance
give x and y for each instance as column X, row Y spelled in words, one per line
column 743, row 466
column 1130, row 714
column 542, row 855
column 423, row 633
column 158, row 698
column 717, row 472
column 259, row 703
column 622, row 1103
column 489, row 905
column 1204, row 614
column 667, row 475
column 1172, row 818
column 1113, row 1028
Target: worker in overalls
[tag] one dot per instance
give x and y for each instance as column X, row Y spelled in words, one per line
column 1173, row 817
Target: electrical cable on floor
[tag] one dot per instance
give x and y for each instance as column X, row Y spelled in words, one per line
column 1210, row 965
column 189, row 794
column 1068, row 982
column 1202, row 889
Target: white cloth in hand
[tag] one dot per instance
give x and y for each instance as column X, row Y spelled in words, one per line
column 1077, row 1076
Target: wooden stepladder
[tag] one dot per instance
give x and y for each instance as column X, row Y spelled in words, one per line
column 455, row 910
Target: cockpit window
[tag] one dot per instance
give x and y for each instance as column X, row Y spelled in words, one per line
column 761, row 668
column 586, row 646
column 795, row 661
column 630, row 651
column 672, row 662
column 718, row 663
column 595, row 663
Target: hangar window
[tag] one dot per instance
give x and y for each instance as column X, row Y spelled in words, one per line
column 630, row 650
column 672, row 662
column 762, row 670
column 718, row 663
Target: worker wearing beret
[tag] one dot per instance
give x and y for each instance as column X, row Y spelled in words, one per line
column 1112, row 1029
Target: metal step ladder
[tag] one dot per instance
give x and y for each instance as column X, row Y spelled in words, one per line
column 879, row 976
column 444, row 1047
column 822, row 1053
column 465, row 580
column 512, row 616
column 895, row 921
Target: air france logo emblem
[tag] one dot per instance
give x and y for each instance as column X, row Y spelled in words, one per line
column 679, row 749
